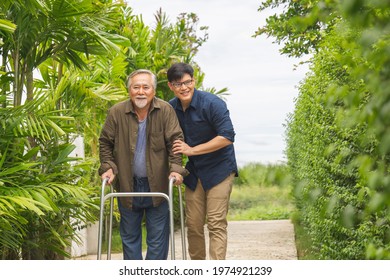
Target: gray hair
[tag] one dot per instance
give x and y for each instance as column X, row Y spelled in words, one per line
column 142, row 71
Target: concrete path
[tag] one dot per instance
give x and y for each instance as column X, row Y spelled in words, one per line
column 248, row 240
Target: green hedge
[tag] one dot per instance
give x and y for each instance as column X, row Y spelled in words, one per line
column 338, row 145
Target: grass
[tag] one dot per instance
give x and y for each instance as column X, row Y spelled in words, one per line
column 260, row 203
column 261, row 192
column 303, row 240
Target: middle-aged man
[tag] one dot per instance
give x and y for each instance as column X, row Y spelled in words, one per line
column 136, row 155
column 209, row 137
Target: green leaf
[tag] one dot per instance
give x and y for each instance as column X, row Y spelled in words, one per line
column 56, row 127
column 30, row 204
column 17, row 168
column 41, row 199
column 7, row 26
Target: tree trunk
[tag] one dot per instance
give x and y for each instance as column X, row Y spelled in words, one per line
column 30, row 84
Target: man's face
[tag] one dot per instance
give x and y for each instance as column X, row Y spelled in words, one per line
column 183, row 89
column 141, row 90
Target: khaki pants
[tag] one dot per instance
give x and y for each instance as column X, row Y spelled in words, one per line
column 214, row 205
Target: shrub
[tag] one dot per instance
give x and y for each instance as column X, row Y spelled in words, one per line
column 335, row 155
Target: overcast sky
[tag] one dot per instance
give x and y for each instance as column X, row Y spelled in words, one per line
column 262, row 82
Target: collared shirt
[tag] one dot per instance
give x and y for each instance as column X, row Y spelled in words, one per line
column 207, row 117
column 118, row 142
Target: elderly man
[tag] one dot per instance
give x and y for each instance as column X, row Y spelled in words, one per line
column 136, row 155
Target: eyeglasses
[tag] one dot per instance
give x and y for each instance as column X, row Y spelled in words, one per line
column 186, row 83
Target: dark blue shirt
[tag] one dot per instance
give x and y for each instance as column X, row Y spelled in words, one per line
column 207, row 117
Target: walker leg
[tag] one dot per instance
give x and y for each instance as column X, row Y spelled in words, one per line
column 171, row 220
column 110, row 228
column 100, row 233
column 182, row 225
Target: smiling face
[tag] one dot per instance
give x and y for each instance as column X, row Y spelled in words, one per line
column 141, row 90
column 183, row 89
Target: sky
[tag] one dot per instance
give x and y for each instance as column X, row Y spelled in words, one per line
column 262, row 83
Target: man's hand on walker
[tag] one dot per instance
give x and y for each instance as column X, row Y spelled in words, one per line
column 108, row 174
column 178, row 178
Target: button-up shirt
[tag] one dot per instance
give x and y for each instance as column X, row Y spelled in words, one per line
column 206, row 117
column 118, row 142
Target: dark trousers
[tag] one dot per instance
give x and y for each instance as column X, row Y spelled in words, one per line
column 157, row 226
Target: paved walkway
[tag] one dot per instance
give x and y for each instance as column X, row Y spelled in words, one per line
column 248, row 240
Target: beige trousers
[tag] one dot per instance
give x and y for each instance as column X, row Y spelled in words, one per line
column 212, row 206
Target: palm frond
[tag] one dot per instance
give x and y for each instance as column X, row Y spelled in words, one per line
column 7, row 26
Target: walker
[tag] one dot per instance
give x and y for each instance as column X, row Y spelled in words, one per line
column 169, row 198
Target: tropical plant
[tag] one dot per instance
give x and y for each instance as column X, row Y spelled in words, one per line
column 45, row 196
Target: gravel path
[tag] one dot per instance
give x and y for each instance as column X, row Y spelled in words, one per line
column 249, row 240
column 261, row 240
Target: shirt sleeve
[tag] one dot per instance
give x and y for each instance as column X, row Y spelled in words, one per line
column 174, row 132
column 106, row 146
column 221, row 120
